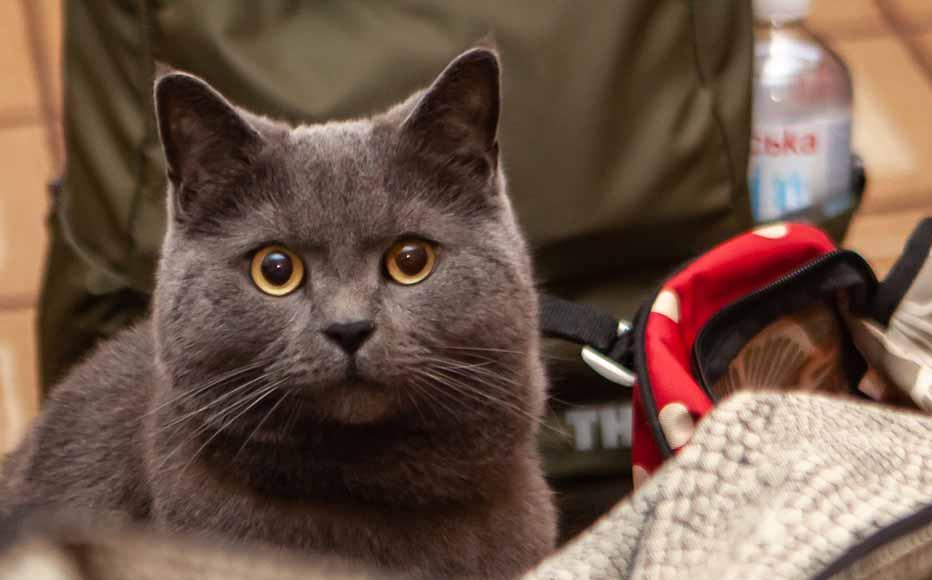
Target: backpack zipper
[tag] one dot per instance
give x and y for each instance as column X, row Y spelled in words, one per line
column 772, row 286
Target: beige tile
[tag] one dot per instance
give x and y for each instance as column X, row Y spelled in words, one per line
column 23, row 205
column 856, row 18
column 19, row 379
column 51, row 14
column 880, row 237
column 18, row 90
column 892, row 120
column 913, row 14
column 925, row 43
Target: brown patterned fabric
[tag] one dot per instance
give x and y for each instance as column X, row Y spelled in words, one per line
column 801, row 351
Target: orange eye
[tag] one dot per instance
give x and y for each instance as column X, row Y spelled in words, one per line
column 276, row 270
column 410, row 261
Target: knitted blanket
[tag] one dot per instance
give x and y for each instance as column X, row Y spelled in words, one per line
column 775, row 486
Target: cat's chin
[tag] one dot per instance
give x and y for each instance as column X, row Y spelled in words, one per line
column 356, row 403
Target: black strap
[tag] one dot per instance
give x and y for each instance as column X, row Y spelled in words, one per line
column 903, row 273
column 577, row 323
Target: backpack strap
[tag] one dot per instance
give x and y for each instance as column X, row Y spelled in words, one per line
column 904, row 272
column 606, row 340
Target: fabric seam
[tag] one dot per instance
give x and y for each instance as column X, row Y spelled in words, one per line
column 148, row 24
column 704, row 83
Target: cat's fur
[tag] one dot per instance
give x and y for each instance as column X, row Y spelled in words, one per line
column 424, row 460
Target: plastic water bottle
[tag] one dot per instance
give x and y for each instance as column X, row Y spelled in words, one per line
column 801, row 120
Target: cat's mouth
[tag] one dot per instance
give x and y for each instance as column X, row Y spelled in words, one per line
column 352, row 371
column 348, row 395
column 355, row 402
column 350, row 377
column 346, row 384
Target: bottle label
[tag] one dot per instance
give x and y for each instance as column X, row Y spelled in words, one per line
column 796, row 167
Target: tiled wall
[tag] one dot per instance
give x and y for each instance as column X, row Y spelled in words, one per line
column 29, row 156
column 888, row 44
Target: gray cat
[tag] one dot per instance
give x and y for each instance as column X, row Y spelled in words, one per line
column 342, row 355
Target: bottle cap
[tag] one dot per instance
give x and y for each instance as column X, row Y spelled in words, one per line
column 781, row 10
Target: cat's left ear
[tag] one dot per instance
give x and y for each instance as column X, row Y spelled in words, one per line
column 457, row 117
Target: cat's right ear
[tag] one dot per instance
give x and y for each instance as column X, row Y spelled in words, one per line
column 205, row 140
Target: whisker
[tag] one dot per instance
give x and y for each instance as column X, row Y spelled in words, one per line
column 480, row 396
column 449, row 391
column 208, row 422
column 482, row 370
column 295, row 414
column 475, row 394
column 458, row 382
column 212, row 383
column 471, row 372
column 433, row 395
column 558, row 400
column 479, row 349
column 261, row 423
column 477, row 371
column 459, row 364
column 413, row 400
column 268, row 391
column 212, row 403
column 485, row 349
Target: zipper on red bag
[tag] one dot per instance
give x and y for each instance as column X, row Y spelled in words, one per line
column 780, row 282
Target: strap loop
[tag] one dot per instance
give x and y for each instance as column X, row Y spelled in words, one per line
column 596, row 331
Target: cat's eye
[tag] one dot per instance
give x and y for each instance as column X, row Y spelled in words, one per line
column 410, row 261
column 276, row 270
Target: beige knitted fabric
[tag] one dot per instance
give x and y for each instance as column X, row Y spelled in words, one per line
column 773, row 486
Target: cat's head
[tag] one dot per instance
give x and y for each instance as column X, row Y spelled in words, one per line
column 361, row 271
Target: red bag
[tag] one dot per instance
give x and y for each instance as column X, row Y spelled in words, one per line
column 780, row 307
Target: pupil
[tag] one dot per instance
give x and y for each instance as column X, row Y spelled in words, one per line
column 277, row 268
column 411, row 260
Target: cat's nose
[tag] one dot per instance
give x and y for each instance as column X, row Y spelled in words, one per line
column 350, row 335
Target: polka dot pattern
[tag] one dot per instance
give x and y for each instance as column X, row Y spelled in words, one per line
column 667, row 304
column 683, row 307
column 773, row 231
column 677, row 424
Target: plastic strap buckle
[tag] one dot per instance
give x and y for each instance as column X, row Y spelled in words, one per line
column 607, row 367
